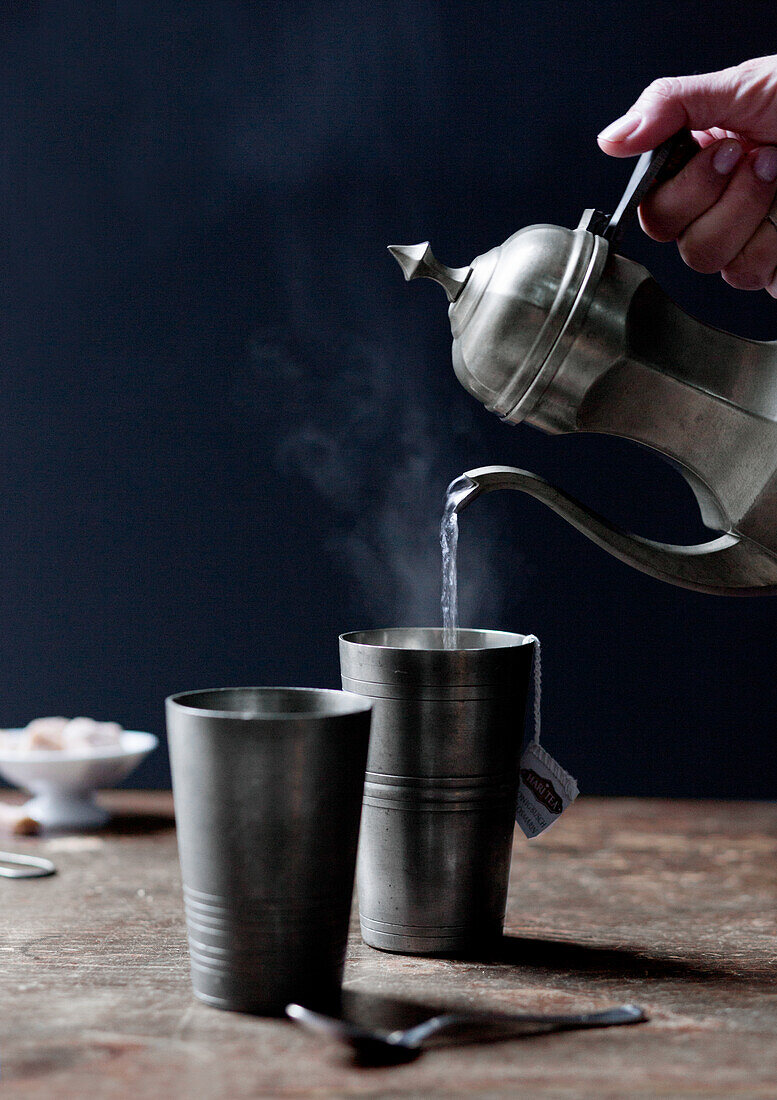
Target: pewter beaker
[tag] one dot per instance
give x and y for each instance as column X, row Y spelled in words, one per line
column 268, row 787
column 441, row 785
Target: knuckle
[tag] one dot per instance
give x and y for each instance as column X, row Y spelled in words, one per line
column 741, row 264
column 699, row 255
column 665, row 87
column 755, row 81
column 663, row 236
column 657, row 226
column 752, row 65
column 750, row 68
column 742, row 277
column 756, row 72
column 753, row 267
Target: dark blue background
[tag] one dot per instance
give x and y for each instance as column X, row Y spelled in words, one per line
column 227, row 423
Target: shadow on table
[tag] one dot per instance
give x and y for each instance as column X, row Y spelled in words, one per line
column 622, row 961
column 138, row 823
column 376, row 1010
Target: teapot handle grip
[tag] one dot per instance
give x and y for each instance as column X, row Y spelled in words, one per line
column 728, row 565
column 652, row 168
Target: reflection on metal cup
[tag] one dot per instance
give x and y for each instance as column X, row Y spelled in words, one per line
column 268, row 787
column 441, row 786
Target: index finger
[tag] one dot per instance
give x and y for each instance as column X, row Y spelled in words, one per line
column 740, row 98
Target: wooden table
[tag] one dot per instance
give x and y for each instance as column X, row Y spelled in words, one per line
column 667, row 904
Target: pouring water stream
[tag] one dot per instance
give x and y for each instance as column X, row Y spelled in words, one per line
column 449, row 539
column 458, row 489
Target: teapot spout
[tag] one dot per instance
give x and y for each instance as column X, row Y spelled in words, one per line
column 730, row 565
column 419, row 262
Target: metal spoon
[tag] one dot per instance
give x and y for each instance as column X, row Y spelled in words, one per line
column 373, row 1045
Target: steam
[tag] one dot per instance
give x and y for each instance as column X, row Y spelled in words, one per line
column 356, row 409
column 379, row 474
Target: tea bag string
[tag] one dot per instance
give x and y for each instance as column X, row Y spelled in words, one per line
column 537, row 685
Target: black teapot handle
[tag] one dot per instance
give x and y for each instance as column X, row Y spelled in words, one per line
column 654, row 167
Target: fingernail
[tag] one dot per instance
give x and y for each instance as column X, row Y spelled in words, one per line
column 622, row 127
column 726, row 157
column 765, row 165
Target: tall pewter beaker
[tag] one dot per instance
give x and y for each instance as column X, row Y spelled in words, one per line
column 268, row 786
column 441, row 784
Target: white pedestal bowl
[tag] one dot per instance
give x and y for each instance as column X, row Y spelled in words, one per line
column 63, row 782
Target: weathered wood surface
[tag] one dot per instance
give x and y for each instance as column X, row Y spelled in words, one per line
column 667, row 904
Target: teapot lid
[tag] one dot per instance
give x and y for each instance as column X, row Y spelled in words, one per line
column 514, row 311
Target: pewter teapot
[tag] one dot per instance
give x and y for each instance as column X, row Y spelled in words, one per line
column 556, row 328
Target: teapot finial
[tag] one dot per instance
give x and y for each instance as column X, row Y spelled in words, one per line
column 418, row 262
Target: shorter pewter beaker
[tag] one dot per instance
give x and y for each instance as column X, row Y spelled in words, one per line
column 268, row 787
column 441, row 785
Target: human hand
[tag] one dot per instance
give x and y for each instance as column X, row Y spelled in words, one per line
column 716, row 207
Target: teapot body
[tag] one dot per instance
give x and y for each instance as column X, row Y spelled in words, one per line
column 556, row 329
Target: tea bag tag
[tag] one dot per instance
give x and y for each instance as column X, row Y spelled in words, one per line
column 544, row 789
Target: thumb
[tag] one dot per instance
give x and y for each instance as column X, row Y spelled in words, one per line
column 742, row 99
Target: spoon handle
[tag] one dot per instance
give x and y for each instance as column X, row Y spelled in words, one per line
column 610, row 1017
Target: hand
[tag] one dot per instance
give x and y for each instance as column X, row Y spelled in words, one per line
column 716, row 207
